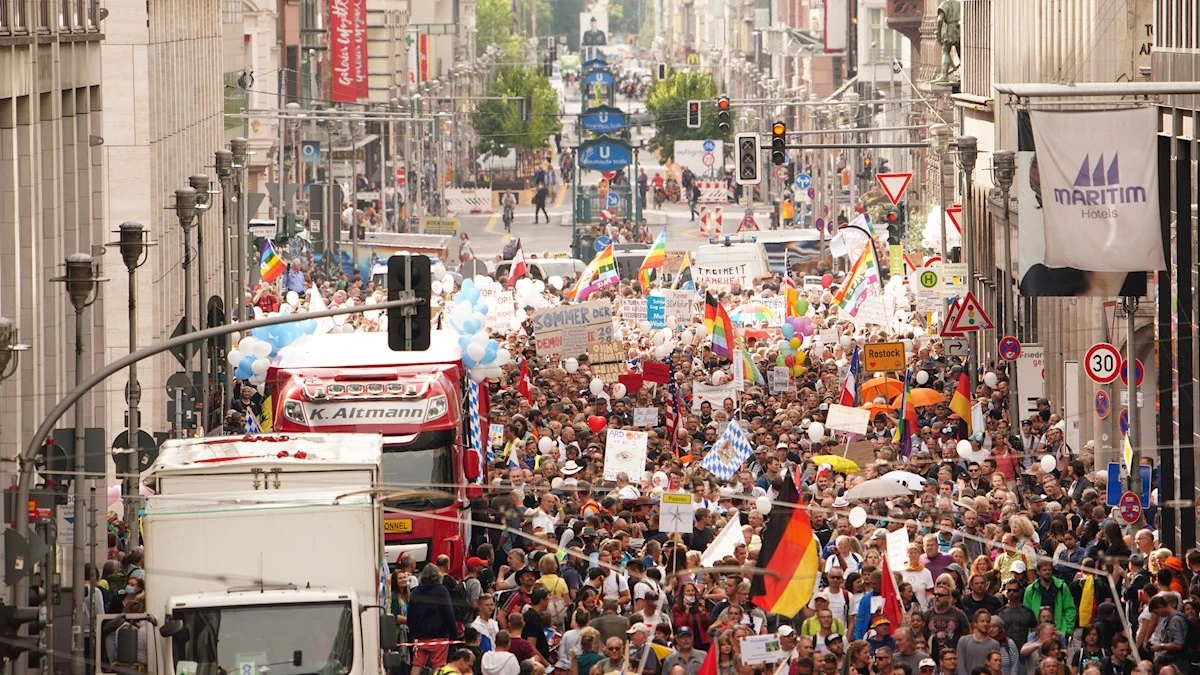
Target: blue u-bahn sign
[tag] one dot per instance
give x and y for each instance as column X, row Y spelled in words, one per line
column 598, row 77
column 605, row 154
column 603, row 120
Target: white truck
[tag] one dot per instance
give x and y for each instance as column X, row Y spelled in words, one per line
column 263, row 554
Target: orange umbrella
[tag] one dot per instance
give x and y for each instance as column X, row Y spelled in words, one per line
column 877, row 409
column 920, row 398
column 887, row 387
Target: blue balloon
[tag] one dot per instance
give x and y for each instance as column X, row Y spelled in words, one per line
column 468, row 361
column 788, row 331
column 468, row 284
column 309, row 326
column 459, row 297
column 243, row 370
column 464, row 341
column 472, row 326
column 482, row 309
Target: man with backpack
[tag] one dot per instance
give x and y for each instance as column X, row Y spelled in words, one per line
column 539, row 202
column 431, row 621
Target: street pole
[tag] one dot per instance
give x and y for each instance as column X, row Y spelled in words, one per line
column 82, row 285
column 636, row 194
column 1130, row 305
column 133, row 247
column 10, row 346
column 941, row 143
column 200, row 183
column 185, row 210
column 239, row 147
column 968, row 154
column 224, row 166
column 1004, row 170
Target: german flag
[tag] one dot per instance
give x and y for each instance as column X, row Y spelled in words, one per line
column 789, row 557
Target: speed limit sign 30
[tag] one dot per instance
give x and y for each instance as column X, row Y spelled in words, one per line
column 1103, row 363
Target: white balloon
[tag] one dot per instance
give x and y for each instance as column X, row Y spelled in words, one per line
column 1048, row 463
column 816, row 431
column 645, row 327
column 719, row 377
column 475, row 351
column 235, row 337
column 618, row 390
column 663, row 351
column 659, row 479
column 922, row 377
column 260, row 366
column 285, row 308
column 701, row 329
column 293, row 298
column 571, row 364
column 503, row 358
column 234, row 357
column 965, row 449
column 687, row 336
column 991, row 380
column 262, row 349
column 763, row 504
column 448, row 283
column 596, row 386
column 846, row 341
column 494, row 371
column 672, row 321
column 478, row 374
column 556, row 282
column 436, row 287
column 544, row 444
column 246, row 346
column 858, row 516
column 539, row 286
column 659, row 339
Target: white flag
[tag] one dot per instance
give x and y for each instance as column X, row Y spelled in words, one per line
column 722, row 547
column 1098, row 184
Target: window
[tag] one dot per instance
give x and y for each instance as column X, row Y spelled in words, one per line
column 235, row 100
column 885, row 42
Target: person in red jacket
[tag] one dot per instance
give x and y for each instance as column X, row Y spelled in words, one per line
column 689, row 610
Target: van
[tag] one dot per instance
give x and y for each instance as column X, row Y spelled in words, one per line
column 628, row 258
column 544, row 268
column 730, row 262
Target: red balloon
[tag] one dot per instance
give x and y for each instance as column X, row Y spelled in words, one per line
column 826, row 280
column 596, row 423
column 790, row 360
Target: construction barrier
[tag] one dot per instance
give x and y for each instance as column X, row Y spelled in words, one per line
column 713, row 192
column 711, row 222
column 469, row 200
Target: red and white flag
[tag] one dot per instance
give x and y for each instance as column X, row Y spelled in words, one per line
column 849, row 393
column 518, row 269
column 523, row 383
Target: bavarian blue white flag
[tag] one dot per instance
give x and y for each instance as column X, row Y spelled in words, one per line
column 729, row 452
column 1097, row 186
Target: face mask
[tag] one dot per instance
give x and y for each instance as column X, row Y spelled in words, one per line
column 130, row 590
column 689, row 599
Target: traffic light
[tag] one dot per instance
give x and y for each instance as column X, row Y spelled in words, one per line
column 12, row 619
column 747, row 159
column 866, row 168
column 723, row 115
column 409, row 276
column 778, row 143
column 693, row 114
column 523, row 106
column 662, row 71
column 894, row 217
column 548, row 68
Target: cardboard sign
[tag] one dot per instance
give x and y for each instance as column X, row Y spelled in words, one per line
column 495, row 435
column 625, row 452
column 645, row 417
column 882, row 357
column 607, row 360
column 848, row 419
column 567, row 330
column 654, row 371
column 442, row 226
column 780, row 380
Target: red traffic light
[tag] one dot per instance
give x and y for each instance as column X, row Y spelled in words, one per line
column 723, row 103
column 892, row 216
column 693, row 106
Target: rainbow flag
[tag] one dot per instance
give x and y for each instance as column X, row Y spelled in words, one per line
column 270, row 265
column 750, row 371
column 600, row 273
column 716, row 319
column 655, row 258
column 862, row 282
column 907, row 425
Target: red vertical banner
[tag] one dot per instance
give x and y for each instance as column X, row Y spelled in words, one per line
column 423, row 57
column 360, row 49
column 342, row 51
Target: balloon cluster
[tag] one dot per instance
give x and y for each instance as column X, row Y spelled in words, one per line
column 483, row 356
column 253, row 354
column 794, row 330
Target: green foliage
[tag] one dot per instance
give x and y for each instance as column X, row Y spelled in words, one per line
column 667, row 102
column 565, row 20
column 494, row 22
column 498, row 123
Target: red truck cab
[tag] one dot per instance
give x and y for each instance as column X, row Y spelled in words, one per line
column 352, row 382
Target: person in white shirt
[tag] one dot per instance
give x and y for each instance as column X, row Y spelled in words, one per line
column 625, row 489
column 545, row 518
column 484, row 623
column 917, row 575
column 843, row 556
column 500, row 661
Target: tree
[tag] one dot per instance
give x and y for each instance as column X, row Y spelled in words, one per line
column 667, row 101
column 565, row 20
column 493, row 22
column 498, row 123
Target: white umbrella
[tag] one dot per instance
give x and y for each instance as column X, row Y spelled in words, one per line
column 908, row 479
column 877, row 488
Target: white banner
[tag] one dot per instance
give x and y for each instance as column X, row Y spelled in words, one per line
column 1099, row 189
column 848, row 419
column 714, row 394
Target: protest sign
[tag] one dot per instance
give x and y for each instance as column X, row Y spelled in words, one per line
column 758, row 649
column 713, row 393
column 501, row 312
column 607, row 360
column 779, row 381
column 567, row 330
column 645, row 417
column 849, row 419
column 625, row 452
column 633, row 310
column 656, row 311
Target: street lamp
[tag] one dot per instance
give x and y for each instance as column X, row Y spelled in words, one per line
column 240, row 148
column 223, row 163
column 202, row 185
column 82, row 285
column 134, row 249
column 940, row 142
column 1004, row 168
column 968, row 154
column 185, row 210
column 9, row 348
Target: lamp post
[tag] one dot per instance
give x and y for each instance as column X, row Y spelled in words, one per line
column 202, row 184
column 10, row 347
column 1004, row 168
column 223, row 162
column 940, row 143
column 239, row 147
column 133, row 247
column 82, row 284
column 185, row 210
column 968, row 154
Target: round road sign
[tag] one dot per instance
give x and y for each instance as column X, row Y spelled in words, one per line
column 1010, row 348
column 781, row 172
column 612, row 200
column 1123, row 420
column 812, row 193
column 401, row 177
column 601, row 243
column 1102, row 363
column 1130, row 508
column 708, row 159
column 928, row 279
column 709, row 145
column 803, row 181
column 1102, row 404
column 1137, row 368
column 819, row 223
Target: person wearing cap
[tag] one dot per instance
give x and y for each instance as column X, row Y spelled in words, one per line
column 926, row 666
column 684, row 655
column 880, row 636
column 639, row 649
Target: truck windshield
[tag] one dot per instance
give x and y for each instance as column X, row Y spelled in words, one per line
column 426, row 464
column 294, row 639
